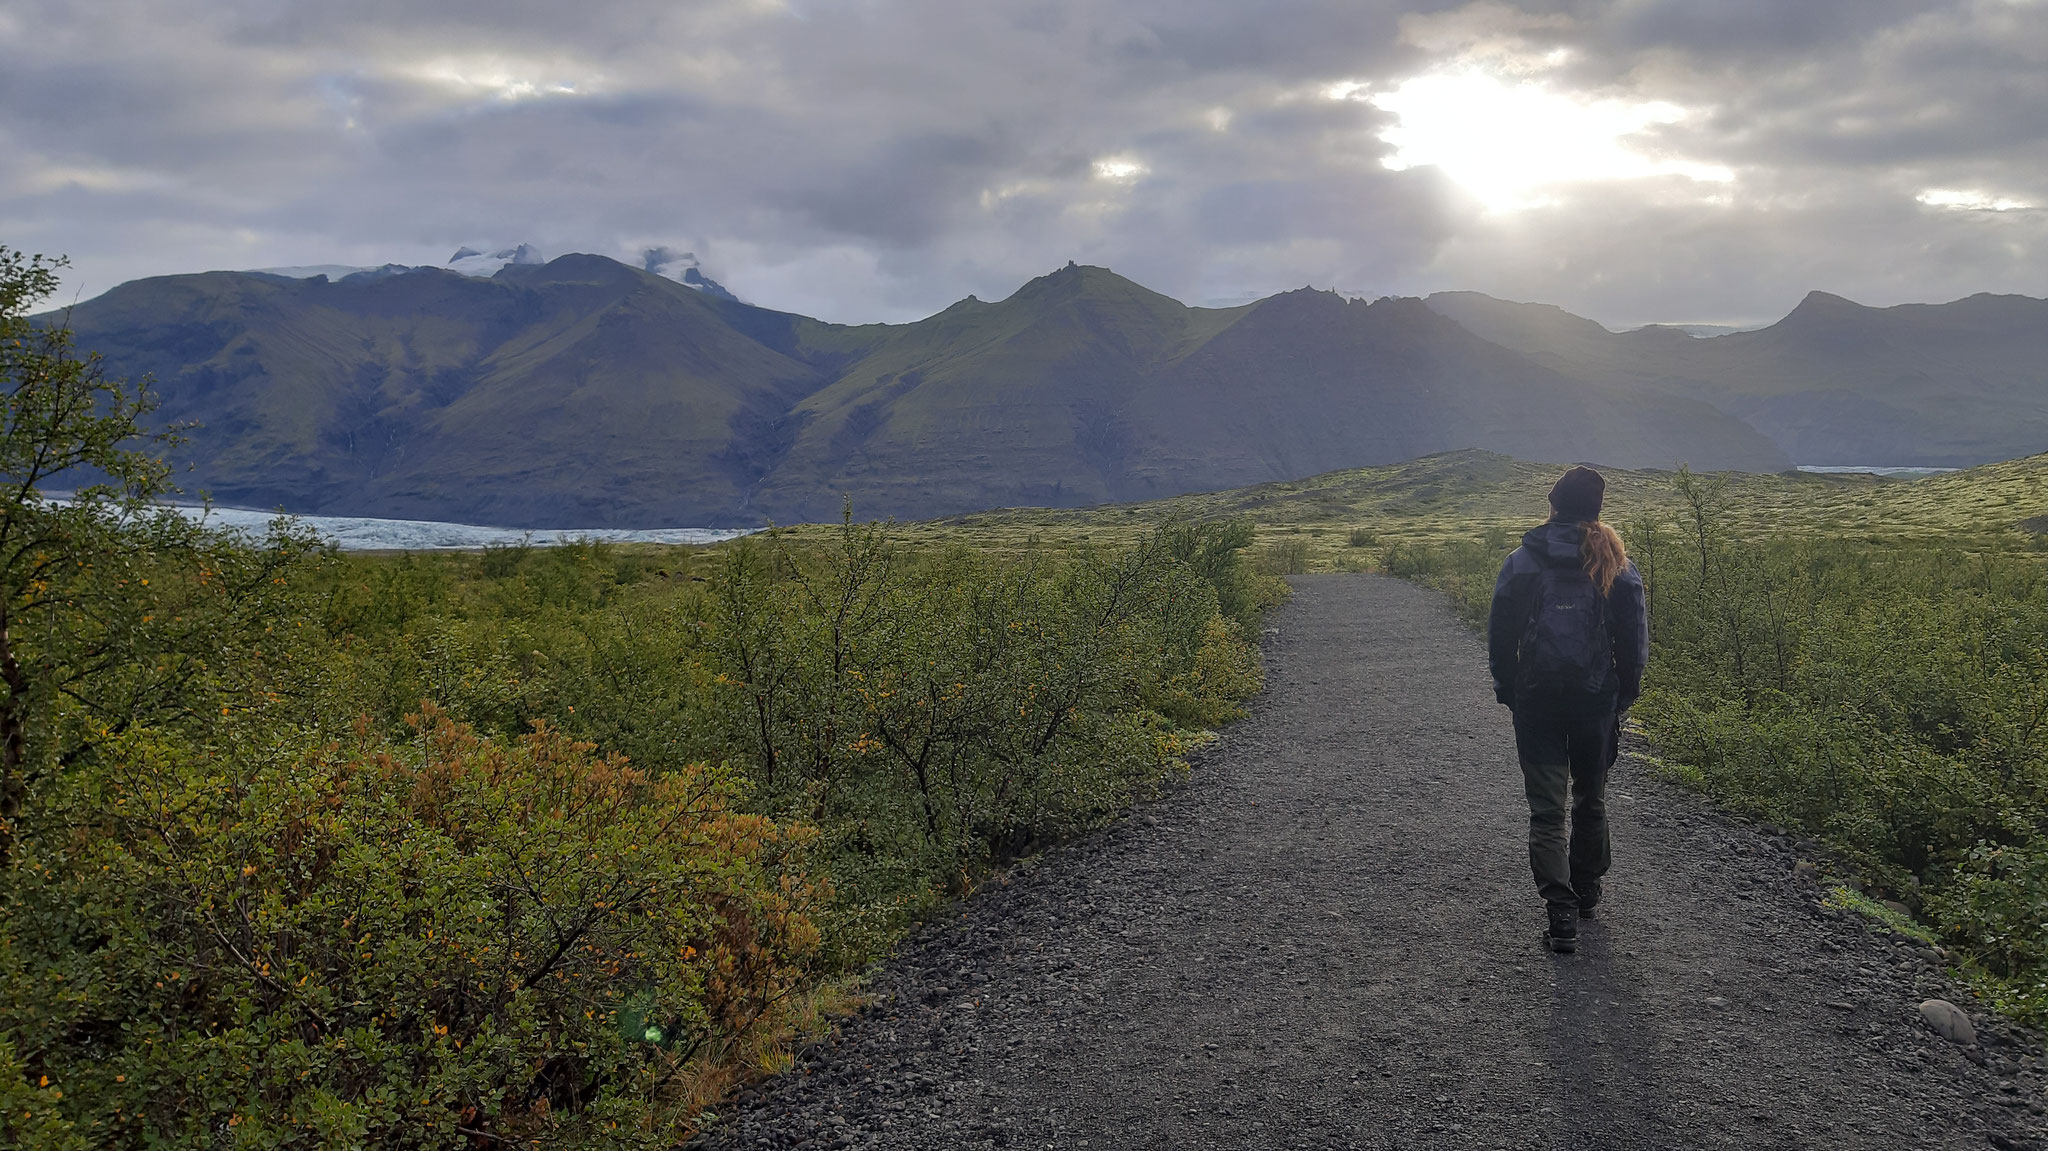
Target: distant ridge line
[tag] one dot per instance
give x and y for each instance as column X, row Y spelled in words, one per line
column 585, row 390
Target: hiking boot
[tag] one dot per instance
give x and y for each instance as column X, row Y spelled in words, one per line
column 1564, row 928
column 1589, row 898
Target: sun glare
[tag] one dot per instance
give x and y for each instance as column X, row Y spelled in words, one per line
column 490, row 77
column 1118, row 169
column 1512, row 144
column 1962, row 200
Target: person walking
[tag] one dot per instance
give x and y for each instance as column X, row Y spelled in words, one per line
column 1567, row 641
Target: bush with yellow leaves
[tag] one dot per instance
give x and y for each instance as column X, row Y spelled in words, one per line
column 454, row 940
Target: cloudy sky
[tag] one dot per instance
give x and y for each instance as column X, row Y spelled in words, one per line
column 1632, row 160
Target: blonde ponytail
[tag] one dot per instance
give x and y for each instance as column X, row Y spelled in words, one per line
column 1600, row 548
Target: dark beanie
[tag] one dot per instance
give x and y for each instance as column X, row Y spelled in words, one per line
column 1577, row 495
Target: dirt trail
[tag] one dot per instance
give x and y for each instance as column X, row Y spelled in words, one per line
column 1328, row 938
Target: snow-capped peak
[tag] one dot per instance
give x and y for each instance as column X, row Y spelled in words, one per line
column 472, row 262
column 682, row 267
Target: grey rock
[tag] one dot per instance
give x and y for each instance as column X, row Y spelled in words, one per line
column 1948, row 1021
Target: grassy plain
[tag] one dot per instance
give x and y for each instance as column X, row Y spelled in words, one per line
column 1345, row 520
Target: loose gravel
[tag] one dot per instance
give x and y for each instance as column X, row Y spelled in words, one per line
column 1328, row 938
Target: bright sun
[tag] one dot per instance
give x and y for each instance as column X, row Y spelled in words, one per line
column 1510, row 144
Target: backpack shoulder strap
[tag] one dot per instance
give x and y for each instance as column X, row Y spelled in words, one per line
column 1539, row 591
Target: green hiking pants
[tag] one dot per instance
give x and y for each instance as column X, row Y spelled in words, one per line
column 1564, row 768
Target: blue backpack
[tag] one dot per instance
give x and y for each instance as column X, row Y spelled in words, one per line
column 1566, row 650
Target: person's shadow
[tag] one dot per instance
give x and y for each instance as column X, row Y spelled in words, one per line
column 1603, row 1054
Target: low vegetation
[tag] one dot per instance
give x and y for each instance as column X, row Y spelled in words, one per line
column 545, row 846
column 1347, row 519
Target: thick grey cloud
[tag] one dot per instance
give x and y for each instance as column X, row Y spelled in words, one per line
column 877, row 159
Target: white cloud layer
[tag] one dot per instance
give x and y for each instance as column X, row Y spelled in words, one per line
column 1635, row 160
column 1971, row 201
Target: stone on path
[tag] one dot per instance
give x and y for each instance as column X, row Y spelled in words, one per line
column 1949, row 1022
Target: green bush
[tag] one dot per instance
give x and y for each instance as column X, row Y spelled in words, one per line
column 1214, row 551
column 937, row 713
column 416, row 945
column 1999, row 902
column 932, row 710
column 1461, row 569
column 1284, row 557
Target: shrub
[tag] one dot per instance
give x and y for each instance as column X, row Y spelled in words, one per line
column 1214, row 551
column 423, row 945
column 931, row 710
column 1284, row 557
column 1999, row 902
column 1463, row 570
column 937, row 717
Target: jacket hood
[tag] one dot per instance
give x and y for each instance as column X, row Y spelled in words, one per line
column 1556, row 544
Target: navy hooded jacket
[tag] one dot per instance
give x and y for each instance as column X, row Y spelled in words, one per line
column 1556, row 544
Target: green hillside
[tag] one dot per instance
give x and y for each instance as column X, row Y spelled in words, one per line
column 989, row 404
column 1309, row 381
column 584, row 392
column 1834, row 382
column 1085, row 388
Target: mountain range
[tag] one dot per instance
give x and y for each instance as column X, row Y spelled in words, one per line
column 1834, row 382
column 586, row 392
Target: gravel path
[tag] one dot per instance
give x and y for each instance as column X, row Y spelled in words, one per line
column 1328, row 938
